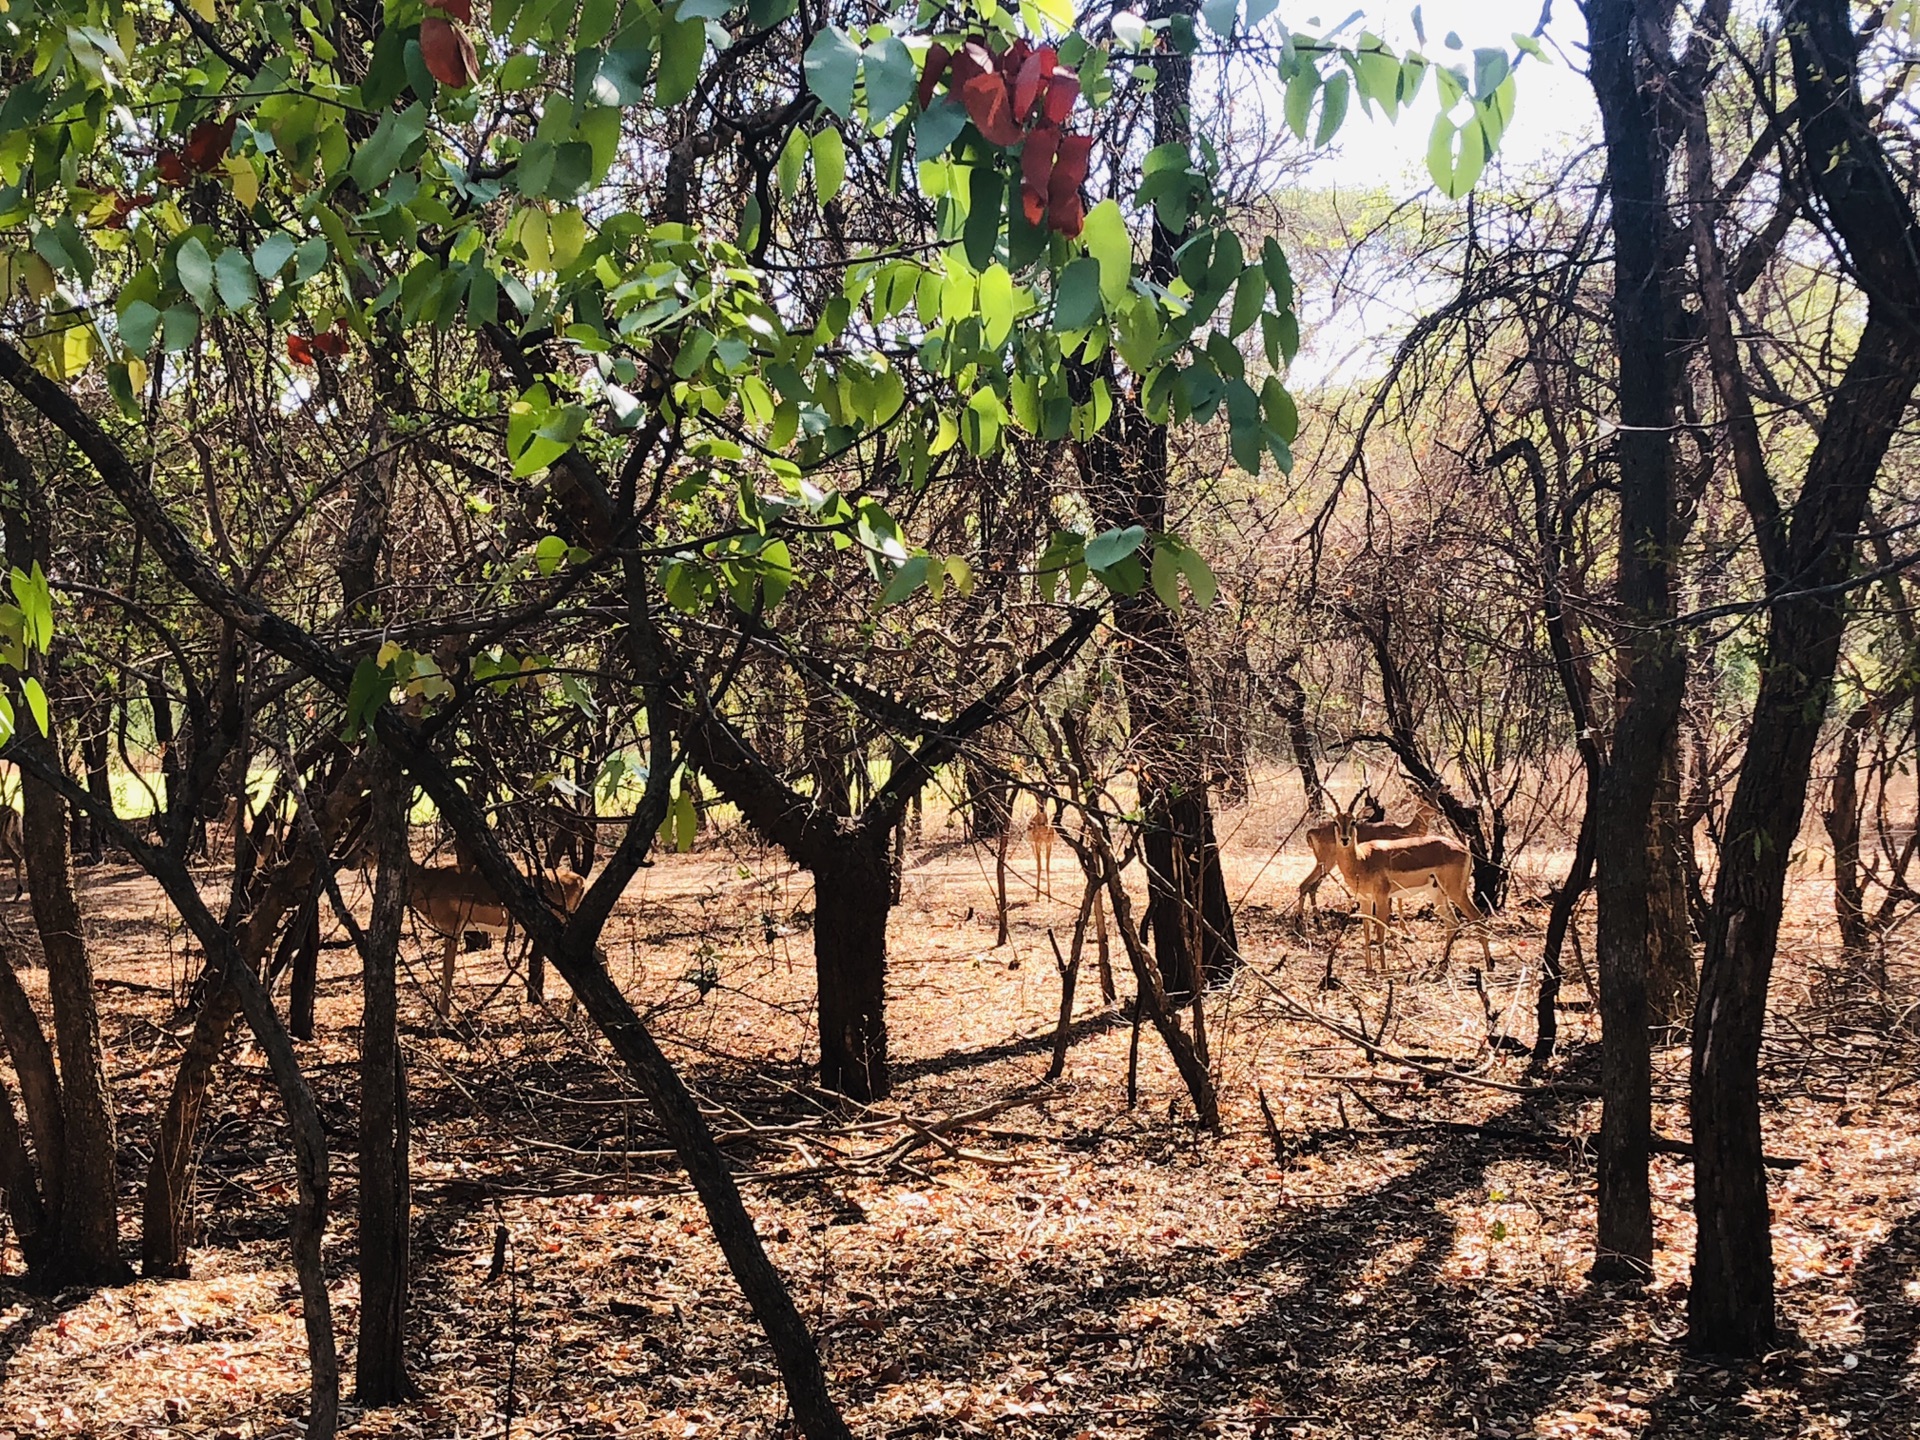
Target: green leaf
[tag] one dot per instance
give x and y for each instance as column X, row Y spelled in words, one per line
column 1333, row 109
column 832, row 64
column 907, row 579
column 368, row 692
column 1249, row 299
column 1273, row 260
column 996, row 305
column 178, row 327
column 1108, row 242
column 1110, row 547
column 271, row 255
column 195, row 268
column 1220, row 15
column 233, row 275
column 311, row 258
column 1077, row 296
column 37, row 704
column 829, row 164
column 1490, row 68
column 1301, row 89
column 937, row 127
column 986, row 194
column 137, row 324
column 682, row 47
column 791, row 162
column 380, row 154
column 891, row 79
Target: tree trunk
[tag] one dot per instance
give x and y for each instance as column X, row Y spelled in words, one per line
column 90, row 1208
column 93, row 752
column 1671, row 982
column 1566, row 904
column 303, row 989
column 1730, row 1305
column 167, row 1206
column 850, row 958
column 166, row 740
column 386, row 1191
column 1843, row 830
column 32, row 1056
column 1651, row 685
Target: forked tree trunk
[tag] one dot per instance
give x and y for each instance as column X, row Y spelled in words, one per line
column 850, row 957
column 167, row 1217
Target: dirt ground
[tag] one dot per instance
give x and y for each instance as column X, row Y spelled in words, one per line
column 1074, row 1268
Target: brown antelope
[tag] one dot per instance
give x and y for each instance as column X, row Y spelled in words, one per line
column 13, row 847
column 1040, row 836
column 1375, row 870
column 1325, row 852
column 453, row 899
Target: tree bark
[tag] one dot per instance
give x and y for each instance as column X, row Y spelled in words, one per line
column 386, row 1189
column 1651, row 685
column 1730, row 1307
column 1671, row 983
column 850, row 905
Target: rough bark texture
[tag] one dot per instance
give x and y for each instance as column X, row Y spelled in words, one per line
column 1671, row 982
column 1653, row 670
column 850, row 899
column 88, row 1218
column 1730, row 1308
column 386, row 1188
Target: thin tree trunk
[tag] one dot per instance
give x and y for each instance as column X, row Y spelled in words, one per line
column 1671, row 983
column 386, row 1191
column 1566, row 903
column 303, row 989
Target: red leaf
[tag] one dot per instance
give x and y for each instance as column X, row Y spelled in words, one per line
column 331, row 343
column 299, row 350
column 985, row 97
column 1033, row 73
column 1063, row 88
column 974, row 58
column 171, row 166
column 1033, row 202
column 1015, row 56
column 448, row 53
column 1036, row 160
column 207, row 143
column 1067, row 215
column 938, row 58
column 1065, row 210
column 1070, row 169
column 453, row 9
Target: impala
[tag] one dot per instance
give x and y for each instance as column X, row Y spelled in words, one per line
column 454, row 899
column 1040, row 836
column 1376, row 870
column 1326, row 853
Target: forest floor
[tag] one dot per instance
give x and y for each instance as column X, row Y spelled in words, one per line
column 1077, row 1268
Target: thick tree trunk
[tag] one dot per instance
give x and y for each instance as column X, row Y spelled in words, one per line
column 850, row 956
column 1810, row 554
column 90, row 1209
column 1653, row 668
column 386, row 1190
